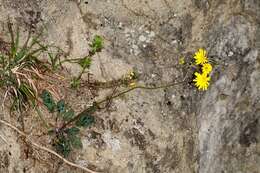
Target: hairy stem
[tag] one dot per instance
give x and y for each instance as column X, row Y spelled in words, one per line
column 139, row 87
column 98, row 103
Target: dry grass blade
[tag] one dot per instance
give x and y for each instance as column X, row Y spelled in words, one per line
column 46, row 149
column 35, row 71
column 5, row 96
column 15, row 91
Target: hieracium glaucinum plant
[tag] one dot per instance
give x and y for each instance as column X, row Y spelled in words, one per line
column 202, row 78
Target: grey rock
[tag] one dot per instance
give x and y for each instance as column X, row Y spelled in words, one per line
column 173, row 130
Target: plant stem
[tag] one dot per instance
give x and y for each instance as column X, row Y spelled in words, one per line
column 70, row 60
column 88, row 110
column 115, row 96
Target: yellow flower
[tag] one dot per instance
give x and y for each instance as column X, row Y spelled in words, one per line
column 200, row 57
column 133, row 84
column 181, row 61
column 130, row 75
column 201, row 81
column 206, row 68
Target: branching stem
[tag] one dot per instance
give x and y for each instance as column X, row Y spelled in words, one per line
column 98, row 103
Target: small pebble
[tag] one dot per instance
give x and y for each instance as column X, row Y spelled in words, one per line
column 142, row 38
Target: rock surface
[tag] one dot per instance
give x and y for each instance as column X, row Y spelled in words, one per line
column 173, row 130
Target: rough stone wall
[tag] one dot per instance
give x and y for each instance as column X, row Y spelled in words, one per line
column 174, row 130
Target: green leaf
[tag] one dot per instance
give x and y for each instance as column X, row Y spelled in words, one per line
column 75, row 82
column 73, row 131
column 54, row 60
column 85, row 120
column 17, row 39
column 27, row 93
column 48, row 100
column 62, row 146
column 68, row 115
column 51, row 132
column 20, row 55
column 85, row 62
column 15, row 43
column 76, row 142
column 61, row 107
column 97, row 44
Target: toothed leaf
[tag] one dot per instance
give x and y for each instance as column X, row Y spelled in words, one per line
column 62, row 146
column 85, row 62
column 85, row 120
column 72, row 131
column 76, row 142
column 97, row 44
column 68, row 115
column 61, row 107
column 48, row 100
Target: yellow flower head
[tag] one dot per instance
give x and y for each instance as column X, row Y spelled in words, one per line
column 200, row 57
column 181, row 61
column 133, row 84
column 206, row 68
column 201, row 81
column 130, row 75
